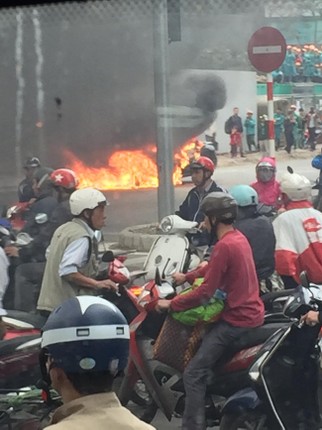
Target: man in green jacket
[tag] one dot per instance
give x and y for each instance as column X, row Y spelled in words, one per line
column 249, row 125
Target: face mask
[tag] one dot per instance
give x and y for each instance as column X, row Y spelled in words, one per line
column 265, row 174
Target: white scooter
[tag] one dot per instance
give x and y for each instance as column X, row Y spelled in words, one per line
column 171, row 252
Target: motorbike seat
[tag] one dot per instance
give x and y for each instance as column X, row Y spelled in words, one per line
column 10, row 346
column 35, row 320
column 254, row 336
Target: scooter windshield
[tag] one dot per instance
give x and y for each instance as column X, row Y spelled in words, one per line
column 290, row 378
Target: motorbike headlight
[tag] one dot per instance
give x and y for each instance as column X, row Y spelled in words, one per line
column 11, row 211
column 165, row 290
column 166, row 224
column 254, row 371
column 144, row 298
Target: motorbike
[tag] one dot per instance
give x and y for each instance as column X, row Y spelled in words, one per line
column 284, row 391
column 23, row 241
column 162, row 383
column 16, row 215
column 19, row 361
column 20, row 344
column 172, row 252
column 19, row 348
column 26, row 409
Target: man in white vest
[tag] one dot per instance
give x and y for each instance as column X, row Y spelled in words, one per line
column 72, row 263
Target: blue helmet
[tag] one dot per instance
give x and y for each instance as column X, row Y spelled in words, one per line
column 244, row 195
column 317, row 162
column 86, row 334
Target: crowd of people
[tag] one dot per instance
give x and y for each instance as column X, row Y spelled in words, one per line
column 301, row 64
column 57, row 271
column 293, row 129
column 247, row 249
column 56, row 276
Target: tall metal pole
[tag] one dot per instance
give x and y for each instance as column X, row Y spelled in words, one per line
column 19, row 58
column 161, row 99
column 270, row 109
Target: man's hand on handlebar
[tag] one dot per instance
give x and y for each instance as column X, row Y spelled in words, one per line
column 108, row 284
column 311, row 318
column 179, row 278
column 202, row 264
column 202, row 226
column 11, row 251
column 163, row 305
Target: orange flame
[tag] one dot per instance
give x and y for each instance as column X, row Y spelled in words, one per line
column 131, row 169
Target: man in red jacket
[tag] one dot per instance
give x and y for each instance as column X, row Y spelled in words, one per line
column 231, row 273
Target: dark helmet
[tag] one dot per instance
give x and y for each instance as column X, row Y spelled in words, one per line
column 42, row 176
column 31, row 162
column 209, row 151
column 203, row 163
column 220, row 205
column 86, row 334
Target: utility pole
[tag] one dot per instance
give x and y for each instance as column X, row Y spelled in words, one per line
column 270, row 111
column 164, row 138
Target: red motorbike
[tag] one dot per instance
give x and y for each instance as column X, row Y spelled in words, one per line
column 161, row 385
column 20, row 346
column 16, row 215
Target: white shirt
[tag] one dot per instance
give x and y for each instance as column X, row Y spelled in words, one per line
column 76, row 254
column 311, row 123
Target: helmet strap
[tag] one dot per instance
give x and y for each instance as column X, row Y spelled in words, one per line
column 204, row 178
column 45, row 382
column 88, row 219
column 213, row 231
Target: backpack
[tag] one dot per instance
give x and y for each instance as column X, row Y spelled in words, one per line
column 228, row 126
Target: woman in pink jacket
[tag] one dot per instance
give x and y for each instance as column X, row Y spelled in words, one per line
column 267, row 187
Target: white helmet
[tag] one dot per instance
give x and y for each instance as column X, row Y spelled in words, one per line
column 296, row 187
column 87, row 198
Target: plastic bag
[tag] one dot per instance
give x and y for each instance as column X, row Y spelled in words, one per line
column 204, row 313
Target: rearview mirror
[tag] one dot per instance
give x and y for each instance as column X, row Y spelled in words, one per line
column 108, row 257
column 23, row 239
column 41, row 218
column 304, row 279
column 4, row 231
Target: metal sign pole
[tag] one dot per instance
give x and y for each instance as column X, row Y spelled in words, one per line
column 164, row 136
column 270, row 111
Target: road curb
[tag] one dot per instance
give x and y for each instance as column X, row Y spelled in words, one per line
column 139, row 237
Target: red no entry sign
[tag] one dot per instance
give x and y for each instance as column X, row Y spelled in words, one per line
column 267, row 49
